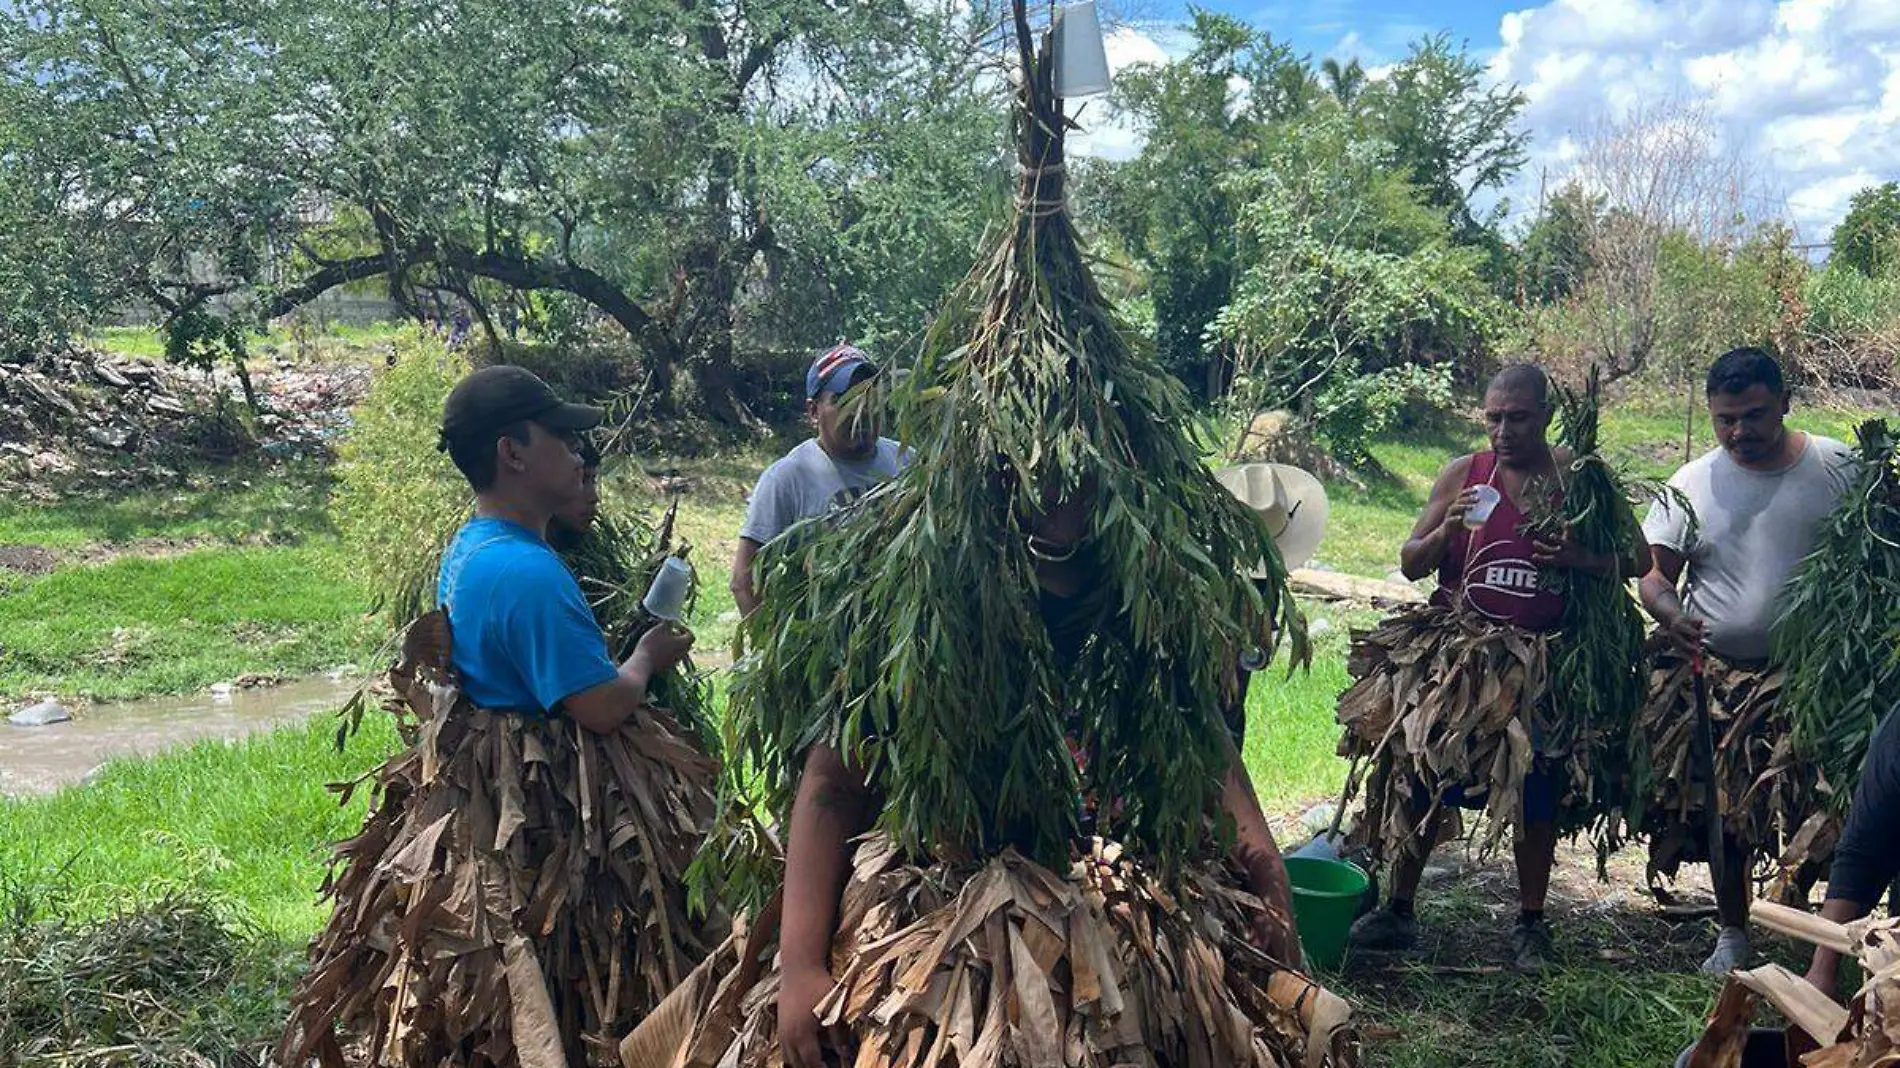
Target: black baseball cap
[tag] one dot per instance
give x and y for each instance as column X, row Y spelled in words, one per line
column 495, row 397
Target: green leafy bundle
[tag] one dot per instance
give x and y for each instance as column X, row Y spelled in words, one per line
column 1598, row 681
column 1838, row 619
column 905, row 631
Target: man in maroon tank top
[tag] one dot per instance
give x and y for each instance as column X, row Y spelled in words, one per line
column 1475, row 535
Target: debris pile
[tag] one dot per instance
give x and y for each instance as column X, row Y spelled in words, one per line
column 77, row 415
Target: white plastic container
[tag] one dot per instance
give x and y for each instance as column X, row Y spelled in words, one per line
column 1480, row 512
column 1081, row 56
column 666, row 598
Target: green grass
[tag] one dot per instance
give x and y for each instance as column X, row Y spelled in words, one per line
column 146, row 341
column 138, row 626
column 237, row 505
column 249, row 823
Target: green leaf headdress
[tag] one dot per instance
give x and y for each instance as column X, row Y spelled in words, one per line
column 906, row 630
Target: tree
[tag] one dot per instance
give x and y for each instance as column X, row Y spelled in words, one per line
column 1556, row 249
column 1666, row 181
column 1344, row 82
column 1452, row 133
column 1868, row 238
column 662, row 161
column 1355, row 298
column 1168, row 206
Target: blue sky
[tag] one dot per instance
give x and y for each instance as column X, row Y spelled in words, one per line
column 1806, row 92
column 1376, row 30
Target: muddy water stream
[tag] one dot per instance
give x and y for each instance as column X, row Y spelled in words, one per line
column 36, row 760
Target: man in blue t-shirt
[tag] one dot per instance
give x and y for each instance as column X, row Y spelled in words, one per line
column 524, row 639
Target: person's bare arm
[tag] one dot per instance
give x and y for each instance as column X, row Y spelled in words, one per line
column 1259, row 855
column 744, row 593
column 1444, row 512
column 604, row 708
column 1824, row 971
column 1658, row 591
column 832, row 807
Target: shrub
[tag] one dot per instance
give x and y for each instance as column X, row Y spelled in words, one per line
column 397, row 495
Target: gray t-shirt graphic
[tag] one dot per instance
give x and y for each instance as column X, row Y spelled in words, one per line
column 1753, row 527
column 808, row 482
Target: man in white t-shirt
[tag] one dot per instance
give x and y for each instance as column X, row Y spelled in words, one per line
column 1716, row 582
column 845, row 460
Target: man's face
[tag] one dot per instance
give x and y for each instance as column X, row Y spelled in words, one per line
column 1750, row 424
column 548, row 465
column 1515, row 421
column 848, row 423
column 580, row 516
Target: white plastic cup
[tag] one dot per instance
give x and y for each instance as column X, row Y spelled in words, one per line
column 1081, row 56
column 666, row 598
column 1480, row 511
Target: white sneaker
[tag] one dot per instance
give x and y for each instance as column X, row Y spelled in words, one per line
column 1731, row 952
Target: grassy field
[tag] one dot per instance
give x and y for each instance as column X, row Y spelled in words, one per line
column 146, row 342
column 170, row 591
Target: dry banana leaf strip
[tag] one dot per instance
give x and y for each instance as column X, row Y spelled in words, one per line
column 1011, row 964
column 1867, row 1033
column 514, row 897
column 1763, row 793
column 1443, row 699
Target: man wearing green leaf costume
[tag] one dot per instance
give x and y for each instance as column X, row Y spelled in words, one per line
column 1008, row 666
column 1512, row 691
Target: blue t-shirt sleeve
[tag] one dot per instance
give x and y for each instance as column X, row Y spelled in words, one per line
column 554, row 640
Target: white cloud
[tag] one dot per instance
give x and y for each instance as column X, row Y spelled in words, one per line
column 1103, row 133
column 1812, row 86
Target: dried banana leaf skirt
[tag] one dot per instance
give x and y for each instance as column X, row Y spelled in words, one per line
column 1764, row 795
column 1011, row 964
column 1445, row 704
column 514, row 896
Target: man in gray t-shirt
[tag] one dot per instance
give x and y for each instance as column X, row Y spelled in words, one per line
column 843, row 461
column 1759, row 500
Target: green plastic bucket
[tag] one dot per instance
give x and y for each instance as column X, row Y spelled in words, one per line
column 1326, row 897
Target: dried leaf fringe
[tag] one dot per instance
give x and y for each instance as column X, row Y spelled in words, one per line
column 1864, row 1035
column 514, row 897
column 1442, row 698
column 1763, row 794
column 1011, row 964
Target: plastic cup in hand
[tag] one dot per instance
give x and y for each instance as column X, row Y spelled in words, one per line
column 1481, row 509
column 666, row 598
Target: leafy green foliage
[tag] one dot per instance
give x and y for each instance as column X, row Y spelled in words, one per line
column 1840, row 612
column 906, row 631
column 763, row 172
column 1845, row 304
column 1350, row 275
column 1451, row 133
column 396, row 490
column 1556, row 250
column 173, row 981
column 1598, row 680
column 1169, row 206
column 1868, row 238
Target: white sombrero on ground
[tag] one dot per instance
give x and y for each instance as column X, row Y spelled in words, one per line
column 1292, row 502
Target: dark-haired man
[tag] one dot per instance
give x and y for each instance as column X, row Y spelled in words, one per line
column 535, row 833
column 524, row 636
column 1478, row 534
column 1715, row 585
column 844, row 459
